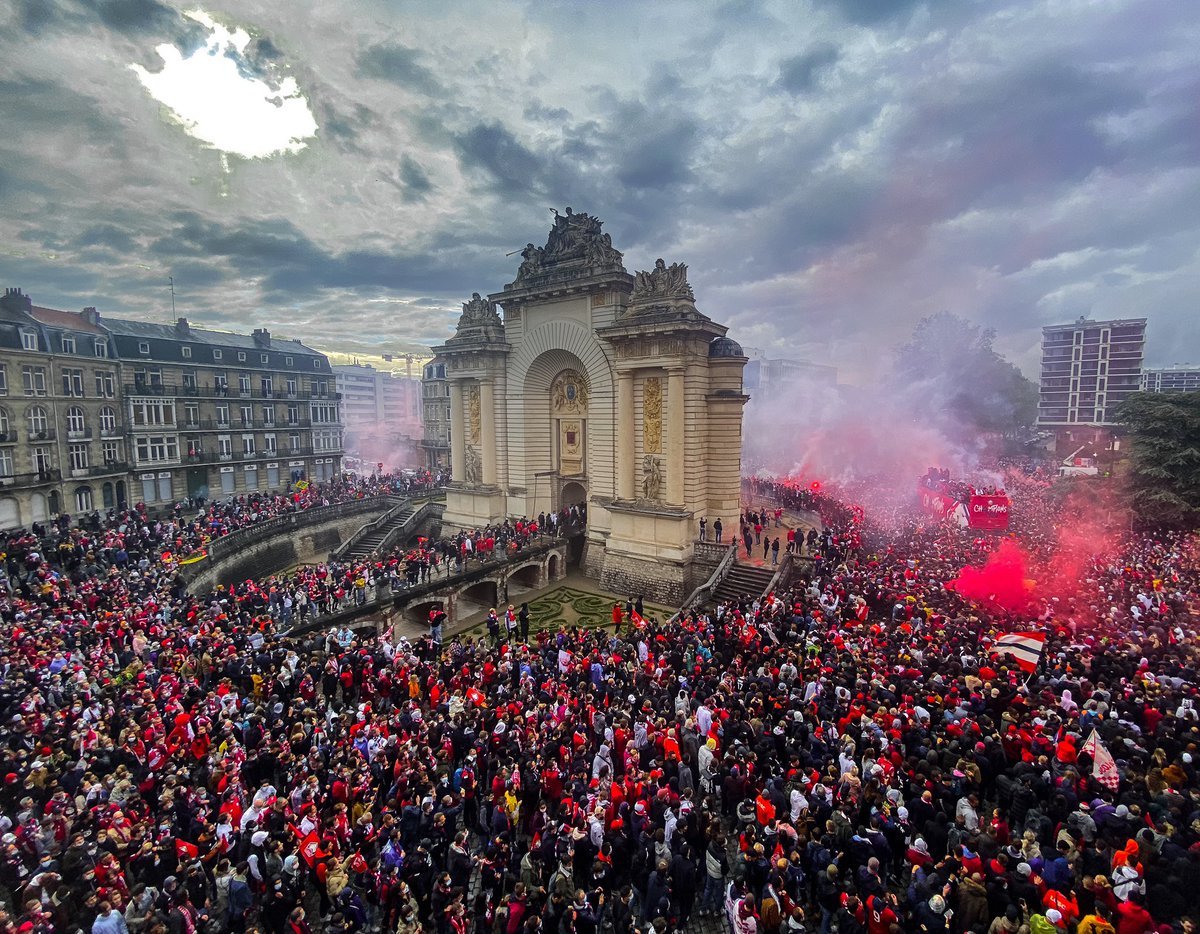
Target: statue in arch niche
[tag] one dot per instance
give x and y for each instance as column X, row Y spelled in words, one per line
column 652, row 477
column 472, row 465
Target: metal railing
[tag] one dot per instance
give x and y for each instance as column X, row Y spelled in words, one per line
column 475, row 570
column 243, row 538
column 705, row 590
column 401, row 503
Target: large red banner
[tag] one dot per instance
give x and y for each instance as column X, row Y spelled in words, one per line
column 988, row 512
column 937, row 503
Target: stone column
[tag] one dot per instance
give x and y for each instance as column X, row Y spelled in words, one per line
column 625, row 436
column 458, row 447
column 675, row 436
column 487, row 430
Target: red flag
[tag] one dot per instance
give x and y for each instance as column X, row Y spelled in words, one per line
column 358, row 863
column 475, row 697
column 636, row 619
column 310, row 848
column 183, row 848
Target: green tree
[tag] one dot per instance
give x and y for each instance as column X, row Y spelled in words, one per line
column 960, row 379
column 1164, row 432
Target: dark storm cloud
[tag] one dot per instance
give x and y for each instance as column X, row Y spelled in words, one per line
column 397, row 63
column 1015, row 134
column 800, row 72
column 284, row 259
column 28, row 102
column 34, row 16
column 536, row 110
column 492, row 149
column 132, row 15
column 876, row 12
column 830, row 172
column 108, row 236
column 415, row 179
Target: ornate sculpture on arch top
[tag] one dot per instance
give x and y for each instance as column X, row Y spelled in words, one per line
column 662, row 282
column 575, row 239
column 478, row 311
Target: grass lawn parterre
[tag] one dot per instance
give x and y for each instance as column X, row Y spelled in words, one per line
column 567, row 606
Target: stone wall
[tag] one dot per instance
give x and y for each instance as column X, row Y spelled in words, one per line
column 304, row 543
column 655, row 580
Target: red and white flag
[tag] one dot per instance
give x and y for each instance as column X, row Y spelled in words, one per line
column 637, row 621
column 1089, row 745
column 310, row 848
column 1024, row 647
column 1104, row 768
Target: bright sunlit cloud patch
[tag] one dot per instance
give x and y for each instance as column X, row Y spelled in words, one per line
column 224, row 106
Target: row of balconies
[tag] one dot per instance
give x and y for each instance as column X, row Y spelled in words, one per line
column 215, row 457
column 237, row 424
column 225, row 392
column 54, row 474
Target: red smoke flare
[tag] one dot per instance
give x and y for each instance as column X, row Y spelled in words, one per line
column 1003, row 581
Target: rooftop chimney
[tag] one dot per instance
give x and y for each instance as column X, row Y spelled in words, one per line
column 181, row 327
column 90, row 315
column 262, row 337
column 16, row 300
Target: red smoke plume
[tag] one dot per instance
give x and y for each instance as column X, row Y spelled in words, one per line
column 1003, row 581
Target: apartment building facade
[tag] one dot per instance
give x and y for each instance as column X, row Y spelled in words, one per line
column 101, row 413
column 214, row 414
column 1171, row 379
column 62, row 425
column 1088, row 369
column 435, row 402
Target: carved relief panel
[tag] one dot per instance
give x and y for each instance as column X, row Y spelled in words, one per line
column 471, row 398
column 568, row 394
column 652, row 415
column 568, row 406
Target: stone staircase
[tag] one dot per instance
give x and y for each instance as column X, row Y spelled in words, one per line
column 373, row 538
column 744, row 579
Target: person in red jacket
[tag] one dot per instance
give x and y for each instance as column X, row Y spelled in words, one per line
column 1132, row 916
column 880, row 915
column 764, row 810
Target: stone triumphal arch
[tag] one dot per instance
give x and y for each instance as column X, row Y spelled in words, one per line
column 581, row 383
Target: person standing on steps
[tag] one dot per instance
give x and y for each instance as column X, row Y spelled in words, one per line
column 703, row 528
column 717, row 529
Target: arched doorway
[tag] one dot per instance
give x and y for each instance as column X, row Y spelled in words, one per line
column 10, row 513
column 478, row 598
column 121, row 499
column 558, row 444
column 418, row 613
column 573, row 494
column 37, row 508
column 523, row 580
column 55, row 503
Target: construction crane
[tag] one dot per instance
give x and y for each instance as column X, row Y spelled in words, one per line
column 408, row 359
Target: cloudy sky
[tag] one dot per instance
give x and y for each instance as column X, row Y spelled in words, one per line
column 832, row 170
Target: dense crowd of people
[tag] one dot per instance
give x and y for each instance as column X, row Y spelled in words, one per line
column 845, row 755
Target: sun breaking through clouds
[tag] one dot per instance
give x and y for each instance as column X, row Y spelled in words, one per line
column 212, row 93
